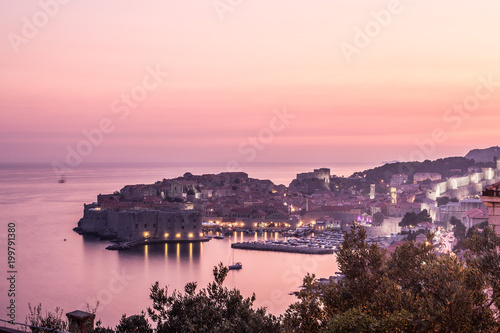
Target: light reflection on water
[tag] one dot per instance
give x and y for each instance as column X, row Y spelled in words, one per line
column 79, row 270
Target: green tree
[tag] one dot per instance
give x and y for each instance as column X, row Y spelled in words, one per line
column 451, row 300
column 423, row 216
column 412, row 219
column 362, row 268
column 412, row 290
column 471, row 231
column 307, row 314
column 458, row 228
column 378, row 219
column 358, row 320
column 212, row 309
column 484, row 256
column 406, row 262
column 53, row 320
column 137, row 323
column 408, row 220
column 442, row 201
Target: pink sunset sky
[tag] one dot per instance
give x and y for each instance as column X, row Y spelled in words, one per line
column 359, row 81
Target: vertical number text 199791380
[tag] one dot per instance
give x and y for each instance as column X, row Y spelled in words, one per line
column 11, row 271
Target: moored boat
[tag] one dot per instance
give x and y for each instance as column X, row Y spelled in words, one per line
column 237, row 265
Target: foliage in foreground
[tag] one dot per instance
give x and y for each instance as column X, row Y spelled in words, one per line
column 51, row 320
column 411, row 290
column 212, row 309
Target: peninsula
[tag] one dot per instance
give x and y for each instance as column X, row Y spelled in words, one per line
column 183, row 208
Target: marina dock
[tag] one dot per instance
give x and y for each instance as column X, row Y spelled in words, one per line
column 280, row 248
column 138, row 242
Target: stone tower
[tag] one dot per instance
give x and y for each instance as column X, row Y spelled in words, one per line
column 394, row 195
column 372, row 191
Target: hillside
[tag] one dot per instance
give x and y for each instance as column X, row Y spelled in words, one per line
column 445, row 166
column 484, row 155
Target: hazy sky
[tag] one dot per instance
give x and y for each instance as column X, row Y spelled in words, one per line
column 322, row 81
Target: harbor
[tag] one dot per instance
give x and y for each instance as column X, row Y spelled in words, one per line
column 323, row 243
column 280, row 248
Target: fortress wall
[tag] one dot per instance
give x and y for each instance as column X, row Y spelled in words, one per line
column 462, row 187
column 112, row 220
column 465, row 180
column 488, row 173
column 389, row 226
column 438, row 190
column 127, row 225
column 93, row 221
column 475, row 177
column 458, row 209
column 344, row 217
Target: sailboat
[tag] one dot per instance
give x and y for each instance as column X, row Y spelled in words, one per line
column 235, row 265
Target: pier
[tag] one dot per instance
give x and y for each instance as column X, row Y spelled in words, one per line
column 138, row 242
column 281, row 248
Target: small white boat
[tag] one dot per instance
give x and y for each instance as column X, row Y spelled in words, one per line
column 235, row 265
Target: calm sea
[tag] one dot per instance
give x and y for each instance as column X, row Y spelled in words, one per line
column 57, row 267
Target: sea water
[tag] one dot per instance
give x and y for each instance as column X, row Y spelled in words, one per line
column 57, row 267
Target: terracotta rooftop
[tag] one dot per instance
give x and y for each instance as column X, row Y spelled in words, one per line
column 492, row 191
column 391, row 248
column 476, row 213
